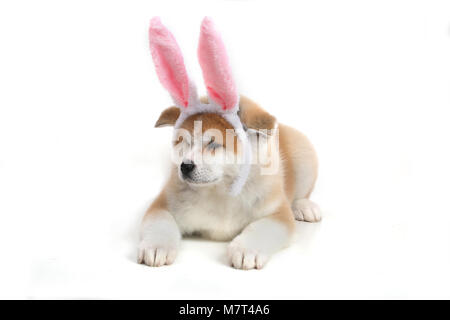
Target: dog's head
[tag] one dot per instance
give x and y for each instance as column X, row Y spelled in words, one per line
column 205, row 147
column 211, row 141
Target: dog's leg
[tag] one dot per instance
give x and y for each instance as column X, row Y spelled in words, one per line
column 160, row 236
column 260, row 239
column 303, row 208
column 301, row 168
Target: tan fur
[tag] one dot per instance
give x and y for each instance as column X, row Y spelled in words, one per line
column 210, row 121
column 299, row 158
column 253, row 116
column 158, row 205
column 297, row 153
column 284, row 215
column 168, row 117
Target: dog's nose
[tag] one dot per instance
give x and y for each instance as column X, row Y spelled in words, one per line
column 187, row 167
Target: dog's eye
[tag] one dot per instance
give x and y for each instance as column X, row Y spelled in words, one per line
column 181, row 140
column 212, row 144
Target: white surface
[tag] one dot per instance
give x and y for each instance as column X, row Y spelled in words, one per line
column 368, row 82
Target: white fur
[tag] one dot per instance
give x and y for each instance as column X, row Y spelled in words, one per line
column 208, row 168
column 160, row 238
column 254, row 246
column 213, row 213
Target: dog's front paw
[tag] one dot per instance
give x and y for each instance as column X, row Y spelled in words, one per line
column 244, row 256
column 156, row 255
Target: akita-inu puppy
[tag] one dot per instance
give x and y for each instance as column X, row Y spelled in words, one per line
column 237, row 174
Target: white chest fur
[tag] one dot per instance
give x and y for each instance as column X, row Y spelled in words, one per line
column 214, row 214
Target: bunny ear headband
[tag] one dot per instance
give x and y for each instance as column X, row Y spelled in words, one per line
column 222, row 92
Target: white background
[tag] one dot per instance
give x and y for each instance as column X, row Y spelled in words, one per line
column 80, row 161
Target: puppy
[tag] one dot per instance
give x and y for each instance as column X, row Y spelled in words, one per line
column 237, row 174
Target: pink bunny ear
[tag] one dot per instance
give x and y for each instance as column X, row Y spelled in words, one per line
column 169, row 62
column 215, row 66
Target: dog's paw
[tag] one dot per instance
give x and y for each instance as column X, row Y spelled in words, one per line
column 306, row 210
column 245, row 257
column 155, row 256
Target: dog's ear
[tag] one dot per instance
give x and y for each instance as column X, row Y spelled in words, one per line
column 254, row 117
column 168, row 117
